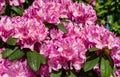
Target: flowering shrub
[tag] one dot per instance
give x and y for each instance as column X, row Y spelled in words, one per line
column 56, row 38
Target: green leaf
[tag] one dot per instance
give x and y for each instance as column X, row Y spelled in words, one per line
column 102, row 12
column 42, row 59
column 72, row 74
column 33, row 59
column 90, row 64
column 55, row 74
column 8, row 52
column 62, row 28
column 105, row 68
column 93, row 49
column 18, row 10
column 110, row 18
column 11, row 41
column 16, row 55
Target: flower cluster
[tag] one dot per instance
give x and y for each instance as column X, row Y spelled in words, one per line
column 38, row 30
column 53, row 11
column 28, row 31
column 99, row 37
column 62, row 49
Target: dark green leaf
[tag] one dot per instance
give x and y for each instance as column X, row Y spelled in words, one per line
column 93, row 49
column 62, row 28
column 63, row 19
column 90, row 64
column 105, row 68
column 55, row 74
column 16, row 55
column 11, row 41
column 33, row 59
column 8, row 52
column 18, row 10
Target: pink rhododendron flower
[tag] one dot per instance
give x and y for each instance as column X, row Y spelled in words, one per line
column 66, row 47
column 72, row 50
column 99, row 37
column 1, row 8
column 57, row 63
column 29, row 31
column 81, row 14
column 52, row 11
column 115, row 54
column 49, row 11
column 16, row 2
column 93, row 2
column 44, row 71
column 36, row 10
column 55, row 33
column 6, row 29
column 2, row 4
column 117, row 73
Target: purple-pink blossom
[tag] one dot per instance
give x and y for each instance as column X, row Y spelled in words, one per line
column 99, row 37
column 16, row 2
column 44, row 71
column 64, row 48
column 6, row 28
column 52, row 11
column 29, row 31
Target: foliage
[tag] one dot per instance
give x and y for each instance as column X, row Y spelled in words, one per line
column 108, row 11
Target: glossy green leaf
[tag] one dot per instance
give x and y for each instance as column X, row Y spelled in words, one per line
column 105, row 68
column 33, row 60
column 90, row 64
column 56, row 74
column 62, row 28
column 11, row 41
column 16, row 55
column 93, row 49
column 8, row 52
column 18, row 10
column 72, row 74
column 42, row 59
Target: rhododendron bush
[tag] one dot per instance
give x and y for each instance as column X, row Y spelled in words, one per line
column 55, row 38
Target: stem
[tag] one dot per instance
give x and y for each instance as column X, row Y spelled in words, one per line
column 7, row 10
column 6, row 2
